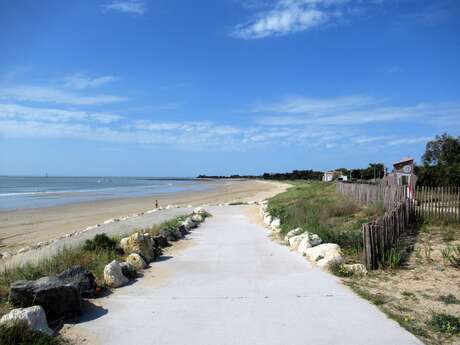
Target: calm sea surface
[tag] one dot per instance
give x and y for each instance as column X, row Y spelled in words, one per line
column 35, row 192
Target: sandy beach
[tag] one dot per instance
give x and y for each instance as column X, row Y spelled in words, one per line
column 27, row 227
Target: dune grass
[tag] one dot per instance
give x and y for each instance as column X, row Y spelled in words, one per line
column 19, row 334
column 317, row 208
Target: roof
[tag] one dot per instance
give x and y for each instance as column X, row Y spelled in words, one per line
column 404, row 160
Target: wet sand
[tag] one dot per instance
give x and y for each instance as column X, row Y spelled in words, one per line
column 27, row 227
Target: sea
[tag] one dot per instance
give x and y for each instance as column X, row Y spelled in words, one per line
column 18, row 192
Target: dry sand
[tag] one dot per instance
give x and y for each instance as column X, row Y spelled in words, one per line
column 28, row 227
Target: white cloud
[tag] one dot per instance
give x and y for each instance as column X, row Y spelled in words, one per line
column 130, row 6
column 46, row 94
column 80, row 81
column 284, row 17
column 19, row 112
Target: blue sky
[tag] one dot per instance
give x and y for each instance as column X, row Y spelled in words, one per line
column 178, row 88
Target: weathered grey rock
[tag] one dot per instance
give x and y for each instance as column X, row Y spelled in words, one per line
column 310, row 240
column 81, row 277
column 113, row 275
column 275, row 225
column 34, row 317
column 136, row 261
column 324, row 254
column 189, row 223
column 161, row 242
column 59, row 299
column 197, row 218
column 292, row 233
column 139, row 243
column 294, row 241
column 128, row 270
column 183, row 230
column 267, row 218
column 199, row 210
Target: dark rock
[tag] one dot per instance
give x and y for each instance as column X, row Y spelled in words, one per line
column 161, row 241
column 178, row 233
column 128, row 270
column 59, row 299
column 169, row 235
column 182, row 230
column 83, row 278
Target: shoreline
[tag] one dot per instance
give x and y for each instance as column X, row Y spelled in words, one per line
column 27, row 227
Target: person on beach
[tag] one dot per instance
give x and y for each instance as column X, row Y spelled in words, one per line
column 156, row 203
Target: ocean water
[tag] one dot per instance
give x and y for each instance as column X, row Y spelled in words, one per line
column 36, row 192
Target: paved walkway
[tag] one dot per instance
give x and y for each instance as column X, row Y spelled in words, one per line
column 231, row 285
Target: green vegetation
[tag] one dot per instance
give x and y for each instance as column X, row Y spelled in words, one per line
column 20, row 334
column 339, row 269
column 445, row 323
column 100, row 242
column 393, row 258
column 449, row 299
column 441, row 162
column 317, row 208
column 454, row 257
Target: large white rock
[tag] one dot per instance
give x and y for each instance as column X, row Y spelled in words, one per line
column 324, row 254
column 199, row 210
column 189, row 223
column 197, row 218
column 292, row 233
column 34, row 317
column 136, row 261
column 356, row 268
column 275, row 224
column 294, row 241
column 267, row 218
column 310, row 240
column 113, row 275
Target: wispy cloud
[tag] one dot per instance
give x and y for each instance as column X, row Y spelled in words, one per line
column 283, row 17
column 49, row 94
column 25, row 113
column 80, row 81
column 130, row 6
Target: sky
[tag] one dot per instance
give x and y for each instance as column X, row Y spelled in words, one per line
column 181, row 88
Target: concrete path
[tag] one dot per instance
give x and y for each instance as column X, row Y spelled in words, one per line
column 231, row 285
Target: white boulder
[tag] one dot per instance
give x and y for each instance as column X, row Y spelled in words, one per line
column 294, row 241
column 136, row 261
column 34, row 317
column 188, row 223
column 310, row 240
column 113, row 275
column 267, row 218
column 197, row 218
column 356, row 269
column 199, row 210
column 292, row 233
column 324, row 254
column 275, row 224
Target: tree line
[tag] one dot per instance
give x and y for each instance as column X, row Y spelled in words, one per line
column 440, row 167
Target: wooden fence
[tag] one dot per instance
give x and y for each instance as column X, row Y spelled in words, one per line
column 367, row 194
column 402, row 209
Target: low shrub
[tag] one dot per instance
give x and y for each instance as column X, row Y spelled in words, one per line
column 19, row 334
column 449, row 299
column 393, row 258
column 100, row 242
column 339, row 269
column 445, row 323
column 454, row 257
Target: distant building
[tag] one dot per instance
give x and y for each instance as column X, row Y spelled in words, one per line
column 330, row 176
column 403, row 175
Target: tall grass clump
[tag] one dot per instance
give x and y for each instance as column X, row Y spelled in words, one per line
column 19, row 334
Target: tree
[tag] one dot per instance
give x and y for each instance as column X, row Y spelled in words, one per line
column 441, row 162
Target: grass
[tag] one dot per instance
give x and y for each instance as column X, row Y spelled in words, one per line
column 317, row 208
column 445, row 323
column 19, row 334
